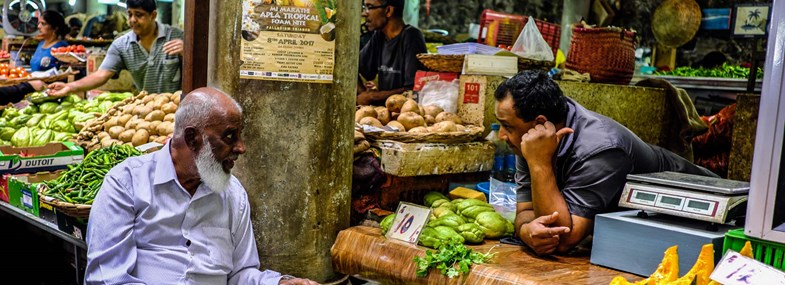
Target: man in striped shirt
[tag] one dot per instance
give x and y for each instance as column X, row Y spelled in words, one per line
column 151, row 52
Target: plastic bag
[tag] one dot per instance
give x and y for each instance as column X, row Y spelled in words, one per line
column 503, row 198
column 440, row 93
column 531, row 44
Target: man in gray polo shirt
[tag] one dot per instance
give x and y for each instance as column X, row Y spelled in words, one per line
column 572, row 162
column 151, row 52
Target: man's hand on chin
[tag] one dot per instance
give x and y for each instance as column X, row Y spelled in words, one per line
column 540, row 236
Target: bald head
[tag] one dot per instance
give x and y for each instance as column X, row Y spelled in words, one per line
column 203, row 106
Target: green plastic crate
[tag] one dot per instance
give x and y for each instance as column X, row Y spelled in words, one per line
column 770, row 253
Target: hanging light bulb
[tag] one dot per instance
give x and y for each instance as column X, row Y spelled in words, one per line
column 72, row 2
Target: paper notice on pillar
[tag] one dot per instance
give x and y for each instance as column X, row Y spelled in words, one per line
column 288, row 40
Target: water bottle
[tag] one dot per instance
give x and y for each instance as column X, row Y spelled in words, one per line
column 501, row 150
column 509, row 168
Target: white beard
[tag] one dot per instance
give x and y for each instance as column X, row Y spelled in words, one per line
column 210, row 170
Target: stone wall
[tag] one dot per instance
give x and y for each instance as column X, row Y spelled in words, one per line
column 455, row 17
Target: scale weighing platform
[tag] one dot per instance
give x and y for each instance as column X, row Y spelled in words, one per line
column 702, row 198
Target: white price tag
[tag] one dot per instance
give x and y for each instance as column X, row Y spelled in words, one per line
column 27, row 201
column 736, row 269
column 408, row 223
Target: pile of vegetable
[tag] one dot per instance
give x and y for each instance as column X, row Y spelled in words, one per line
column 452, row 259
column 726, row 71
column 49, row 119
column 81, row 182
column 134, row 121
column 406, row 115
column 460, row 220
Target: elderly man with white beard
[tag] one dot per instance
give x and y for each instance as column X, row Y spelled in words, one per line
column 178, row 215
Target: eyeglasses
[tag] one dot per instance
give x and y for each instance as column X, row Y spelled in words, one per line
column 368, row 8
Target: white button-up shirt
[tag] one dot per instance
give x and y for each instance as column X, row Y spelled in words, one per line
column 145, row 228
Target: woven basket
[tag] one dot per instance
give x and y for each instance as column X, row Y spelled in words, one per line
column 471, row 133
column 607, row 54
column 81, row 211
column 454, row 62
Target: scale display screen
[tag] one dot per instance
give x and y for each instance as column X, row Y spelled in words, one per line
column 645, row 196
column 671, row 200
column 698, row 205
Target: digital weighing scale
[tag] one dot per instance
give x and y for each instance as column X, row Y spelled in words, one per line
column 709, row 199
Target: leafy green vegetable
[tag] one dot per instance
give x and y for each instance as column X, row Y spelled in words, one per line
column 726, row 71
column 452, row 259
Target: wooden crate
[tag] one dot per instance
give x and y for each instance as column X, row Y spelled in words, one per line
column 417, row 159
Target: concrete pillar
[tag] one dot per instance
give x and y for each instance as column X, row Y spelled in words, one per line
column 297, row 169
column 573, row 11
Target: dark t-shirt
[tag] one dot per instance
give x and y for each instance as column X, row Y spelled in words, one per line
column 592, row 164
column 15, row 93
column 395, row 61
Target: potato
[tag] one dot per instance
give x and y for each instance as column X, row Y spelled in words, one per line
column 140, row 137
column 142, row 111
column 151, row 138
column 433, row 110
column 132, row 123
column 122, row 120
column 169, row 108
column 422, row 110
column 429, row 120
column 162, row 139
column 411, row 106
column 127, row 135
column 129, row 109
column 383, row 115
column 419, row 130
column 114, row 132
column 161, row 99
column 460, row 128
column 176, row 98
column 395, row 102
column 103, row 135
column 444, row 127
column 143, row 125
column 148, row 98
column 110, row 123
column 165, row 128
column 411, row 120
column 109, row 142
column 447, row 116
column 172, row 98
column 153, row 128
column 371, row 122
column 155, row 115
column 364, row 111
column 397, row 125
column 169, row 117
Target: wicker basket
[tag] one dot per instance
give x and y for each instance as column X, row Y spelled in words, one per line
column 607, row 54
column 471, row 133
column 454, row 62
column 81, row 211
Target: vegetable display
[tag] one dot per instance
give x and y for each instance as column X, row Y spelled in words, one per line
column 51, row 119
column 81, row 182
column 462, row 221
column 406, row 115
column 726, row 71
column 135, row 121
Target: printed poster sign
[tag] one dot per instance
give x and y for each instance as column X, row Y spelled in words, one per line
column 288, row 40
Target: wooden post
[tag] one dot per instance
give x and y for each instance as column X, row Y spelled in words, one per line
column 195, row 45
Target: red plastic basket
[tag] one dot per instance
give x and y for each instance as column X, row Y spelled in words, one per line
column 503, row 29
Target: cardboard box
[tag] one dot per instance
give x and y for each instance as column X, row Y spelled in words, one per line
column 72, row 226
column 417, row 159
column 50, row 157
column 47, row 213
column 476, row 104
column 22, row 190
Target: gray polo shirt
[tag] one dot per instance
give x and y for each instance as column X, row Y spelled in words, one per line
column 155, row 72
column 592, row 164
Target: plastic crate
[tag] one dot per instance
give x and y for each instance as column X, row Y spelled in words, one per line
column 770, row 253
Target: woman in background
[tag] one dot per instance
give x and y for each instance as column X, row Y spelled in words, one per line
column 51, row 31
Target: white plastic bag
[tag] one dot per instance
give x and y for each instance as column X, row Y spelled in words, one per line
column 503, row 198
column 440, row 93
column 531, row 44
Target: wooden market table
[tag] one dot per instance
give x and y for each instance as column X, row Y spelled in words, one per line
column 364, row 251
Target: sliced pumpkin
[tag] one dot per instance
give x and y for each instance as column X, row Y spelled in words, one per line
column 747, row 250
column 701, row 270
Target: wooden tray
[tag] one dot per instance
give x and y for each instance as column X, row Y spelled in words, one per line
column 454, row 62
column 59, row 77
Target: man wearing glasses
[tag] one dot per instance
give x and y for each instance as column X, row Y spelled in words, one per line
column 391, row 53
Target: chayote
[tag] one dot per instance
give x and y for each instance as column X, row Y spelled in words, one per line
column 7, row 133
column 48, row 107
column 471, row 213
column 466, row 203
column 443, row 203
column 493, row 225
column 22, row 137
column 29, row 110
column 10, row 112
column 432, row 196
column 472, row 233
column 449, row 220
column 34, row 120
column 387, row 223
